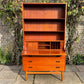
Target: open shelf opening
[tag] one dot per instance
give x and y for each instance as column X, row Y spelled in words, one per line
column 44, row 26
column 44, row 11
column 45, row 36
column 44, row 43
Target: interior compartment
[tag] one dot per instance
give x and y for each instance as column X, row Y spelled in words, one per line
column 55, row 45
column 43, row 43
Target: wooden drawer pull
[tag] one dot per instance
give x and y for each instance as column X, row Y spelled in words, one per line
column 57, row 67
column 57, row 61
column 30, row 56
column 29, row 61
column 29, row 67
column 58, row 56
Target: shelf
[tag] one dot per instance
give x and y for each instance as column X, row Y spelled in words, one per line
column 44, row 31
column 43, row 52
column 44, row 11
column 44, row 26
column 44, row 36
column 44, row 4
column 50, row 50
column 43, row 19
column 43, row 45
column 44, row 40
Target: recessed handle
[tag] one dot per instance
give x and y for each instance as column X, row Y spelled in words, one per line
column 30, row 55
column 57, row 61
column 29, row 61
column 58, row 56
column 29, row 67
column 57, row 67
column 32, row 44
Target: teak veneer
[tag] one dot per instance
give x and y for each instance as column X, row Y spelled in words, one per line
column 44, row 27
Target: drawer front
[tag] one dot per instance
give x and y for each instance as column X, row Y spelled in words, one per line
column 32, row 45
column 44, row 68
column 44, row 63
column 57, row 57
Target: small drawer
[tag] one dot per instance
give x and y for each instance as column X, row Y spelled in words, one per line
column 32, row 45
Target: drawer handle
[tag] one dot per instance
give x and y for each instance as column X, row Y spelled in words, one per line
column 32, row 44
column 57, row 67
column 29, row 61
column 29, row 67
column 58, row 56
column 57, row 61
column 30, row 56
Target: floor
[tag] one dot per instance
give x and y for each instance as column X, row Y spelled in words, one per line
column 74, row 74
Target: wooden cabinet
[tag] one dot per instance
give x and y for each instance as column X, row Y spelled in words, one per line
column 44, row 26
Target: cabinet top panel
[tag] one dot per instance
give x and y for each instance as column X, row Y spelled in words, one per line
column 44, row 4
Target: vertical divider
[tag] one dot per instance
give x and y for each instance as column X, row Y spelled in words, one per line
column 37, row 46
column 60, row 44
column 27, row 45
column 50, row 47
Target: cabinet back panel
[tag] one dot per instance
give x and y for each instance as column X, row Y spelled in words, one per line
column 43, row 36
column 44, row 12
column 44, row 26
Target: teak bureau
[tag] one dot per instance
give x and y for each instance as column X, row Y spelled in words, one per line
column 44, row 26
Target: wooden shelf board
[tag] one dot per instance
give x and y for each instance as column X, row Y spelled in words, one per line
column 43, row 53
column 43, row 45
column 50, row 49
column 45, row 19
column 53, row 72
column 44, row 41
column 25, row 3
column 44, row 31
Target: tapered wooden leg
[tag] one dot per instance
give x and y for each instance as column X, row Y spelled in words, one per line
column 25, row 75
column 62, row 76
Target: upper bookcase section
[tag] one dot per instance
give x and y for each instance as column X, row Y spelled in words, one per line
column 43, row 11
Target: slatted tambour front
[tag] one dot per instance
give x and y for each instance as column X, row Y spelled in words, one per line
column 44, row 26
